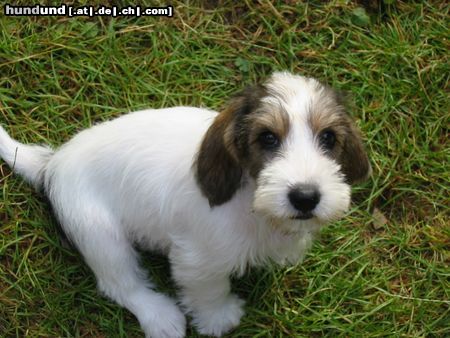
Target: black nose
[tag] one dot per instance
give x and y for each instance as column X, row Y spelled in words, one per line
column 304, row 197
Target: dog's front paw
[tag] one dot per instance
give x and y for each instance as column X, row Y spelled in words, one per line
column 220, row 319
column 164, row 320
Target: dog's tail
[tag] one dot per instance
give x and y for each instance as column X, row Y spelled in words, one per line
column 27, row 160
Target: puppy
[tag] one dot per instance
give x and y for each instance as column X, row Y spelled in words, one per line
column 216, row 192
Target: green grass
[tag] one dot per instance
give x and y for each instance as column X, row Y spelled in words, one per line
column 363, row 277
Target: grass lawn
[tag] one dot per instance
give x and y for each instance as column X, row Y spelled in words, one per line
column 381, row 271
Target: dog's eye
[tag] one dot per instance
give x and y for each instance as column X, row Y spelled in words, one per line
column 268, row 140
column 327, row 139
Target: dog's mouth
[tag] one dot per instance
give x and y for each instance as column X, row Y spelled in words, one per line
column 303, row 215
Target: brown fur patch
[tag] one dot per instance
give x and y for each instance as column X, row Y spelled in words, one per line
column 224, row 151
column 354, row 161
column 328, row 113
column 267, row 118
column 272, row 119
column 218, row 173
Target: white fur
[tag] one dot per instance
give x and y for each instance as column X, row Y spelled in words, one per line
column 131, row 180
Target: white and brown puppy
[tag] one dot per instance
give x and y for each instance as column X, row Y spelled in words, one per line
column 216, row 192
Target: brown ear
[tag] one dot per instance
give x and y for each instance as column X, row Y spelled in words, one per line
column 218, row 173
column 354, row 160
column 218, row 165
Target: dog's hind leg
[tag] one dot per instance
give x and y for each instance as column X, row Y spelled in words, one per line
column 109, row 253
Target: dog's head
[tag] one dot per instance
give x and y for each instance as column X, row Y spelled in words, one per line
column 294, row 138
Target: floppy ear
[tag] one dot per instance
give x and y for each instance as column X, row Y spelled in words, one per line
column 218, row 165
column 354, row 160
column 218, row 172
